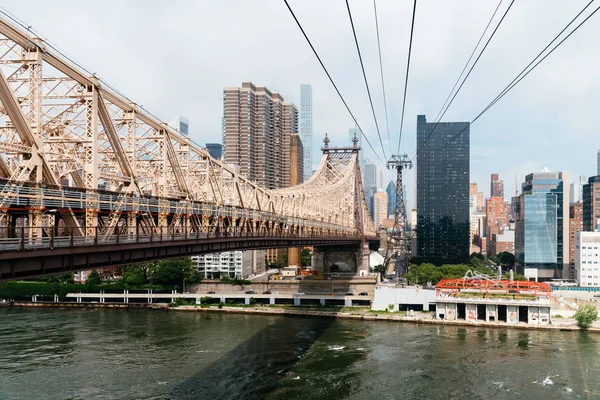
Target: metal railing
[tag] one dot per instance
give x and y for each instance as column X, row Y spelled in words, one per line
column 22, row 238
column 25, row 195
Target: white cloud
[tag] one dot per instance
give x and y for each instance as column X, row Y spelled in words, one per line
column 175, row 58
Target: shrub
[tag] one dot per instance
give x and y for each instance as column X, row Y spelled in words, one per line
column 391, row 307
column 221, row 304
column 586, row 315
column 180, row 301
column 252, row 301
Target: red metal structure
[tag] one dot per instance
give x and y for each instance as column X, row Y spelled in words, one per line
column 452, row 287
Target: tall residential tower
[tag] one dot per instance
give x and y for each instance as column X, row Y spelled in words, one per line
column 258, row 124
column 306, row 127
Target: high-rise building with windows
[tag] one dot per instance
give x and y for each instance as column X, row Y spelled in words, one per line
column 380, row 208
column 442, row 191
column 576, row 191
column 258, row 123
column 215, row 150
column 598, row 162
column 496, row 187
column 575, row 225
column 181, row 124
column 391, row 196
column 369, row 180
column 306, row 128
column 542, row 226
column 591, row 204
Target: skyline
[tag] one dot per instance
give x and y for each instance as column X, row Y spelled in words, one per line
column 543, row 122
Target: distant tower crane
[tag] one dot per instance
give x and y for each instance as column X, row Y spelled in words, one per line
column 398, row 236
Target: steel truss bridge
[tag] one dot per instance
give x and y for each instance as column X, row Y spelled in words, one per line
column 89, row 179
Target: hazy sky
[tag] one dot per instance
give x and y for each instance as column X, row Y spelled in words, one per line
column 175, row 57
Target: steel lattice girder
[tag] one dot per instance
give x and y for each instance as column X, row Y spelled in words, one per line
column 65, row 128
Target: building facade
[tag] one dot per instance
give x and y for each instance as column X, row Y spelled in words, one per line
column 442, row 191
column 587, row 259
column 181, row 124
column 500, row 242
column 257, row 125
column 306, row 129
column 591, row 204
column 391, row 197
column 380, row 208
column 231, row 264
column 370, row 184
column 496, row 187
column 496, row 216
column 576, row 190
column 542, row 228
column 215, row 150
column 575, row 225
column 475, row 197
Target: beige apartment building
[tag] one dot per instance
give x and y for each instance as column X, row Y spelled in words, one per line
column 257, row 128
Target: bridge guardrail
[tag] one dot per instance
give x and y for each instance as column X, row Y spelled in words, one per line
column 26, row 238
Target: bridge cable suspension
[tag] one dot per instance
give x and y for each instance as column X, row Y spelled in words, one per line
column 362, row 66
column 387, row 122
column 521, row 75
column 332, row 81
column 447, row 106
column 412, row 27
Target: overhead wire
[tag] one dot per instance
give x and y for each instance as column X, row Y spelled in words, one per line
column 332, row 81
column 466, row 77
column 387, row 123
column 412, row 28
column 362, row 66
column 527, row 71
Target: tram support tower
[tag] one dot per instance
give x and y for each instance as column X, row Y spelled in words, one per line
column 398, row 239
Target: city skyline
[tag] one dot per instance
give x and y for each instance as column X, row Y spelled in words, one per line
column 553, row 113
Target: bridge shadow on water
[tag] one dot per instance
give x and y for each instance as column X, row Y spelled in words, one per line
column 256, row 367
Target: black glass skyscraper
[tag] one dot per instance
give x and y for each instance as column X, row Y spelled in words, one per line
column 442, row 192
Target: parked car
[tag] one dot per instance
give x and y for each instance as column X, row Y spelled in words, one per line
column 349, row 294
column 211, row 292
column 363, row 294
column 275, row 292
column 250, row 292
column 300, row 294
column 267, row 292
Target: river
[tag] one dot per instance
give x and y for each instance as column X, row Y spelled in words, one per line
column 142, row 354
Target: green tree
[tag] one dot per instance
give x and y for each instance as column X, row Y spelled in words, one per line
column 135, row 275
column 172, row 272
column 586, row 315
column 379, row 268
column 282, row 259
column 507, row 259
column 93, row 279
column 305, row 258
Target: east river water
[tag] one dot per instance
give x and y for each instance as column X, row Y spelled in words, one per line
column 110, row 354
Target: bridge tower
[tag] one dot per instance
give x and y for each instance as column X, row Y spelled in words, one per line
column 398, row 239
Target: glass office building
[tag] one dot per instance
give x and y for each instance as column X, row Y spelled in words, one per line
column 542, row 225
column 306, row 127
column 442, row 191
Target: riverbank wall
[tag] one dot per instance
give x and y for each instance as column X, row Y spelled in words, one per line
column 563, row 325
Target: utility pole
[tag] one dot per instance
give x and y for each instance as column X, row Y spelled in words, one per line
column 398, row 238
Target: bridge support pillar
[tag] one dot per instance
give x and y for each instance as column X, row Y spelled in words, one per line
column 296, row 301
column 347, row 302
column 341, row 259
column 246, row 300
column 322, row 301
column 272, row 300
